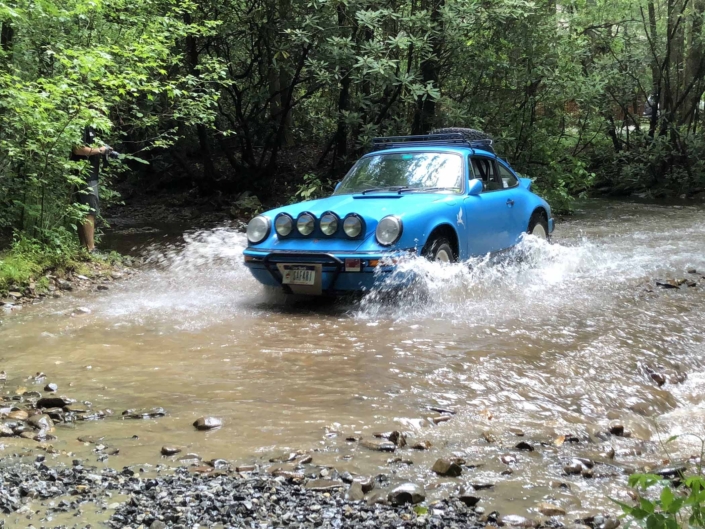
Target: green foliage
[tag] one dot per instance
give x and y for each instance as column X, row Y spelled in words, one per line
column 311, row 188
column 675, row 506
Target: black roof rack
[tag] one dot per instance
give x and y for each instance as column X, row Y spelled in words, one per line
column 429, row 140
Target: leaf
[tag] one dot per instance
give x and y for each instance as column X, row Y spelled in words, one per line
column 666, row 497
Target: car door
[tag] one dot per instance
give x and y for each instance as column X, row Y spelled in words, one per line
column 516, row 200
column 487, row 214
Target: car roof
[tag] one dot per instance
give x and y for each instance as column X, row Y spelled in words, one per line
column 436, row 148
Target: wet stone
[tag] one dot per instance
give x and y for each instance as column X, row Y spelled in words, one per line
column 517, row 431
column 378, row 445
column 482, row 486
column 6, row 431
column 514, row 520
column 367, row 483
column 322, row 485
column 219, row 464
column 144, row 413
column 445, row 467
column 489, row 437
column 670, row 471
column 524, row 446
column 421, row 445
column 548, row 509
column 51, row 387
column 207, row 423
column 355, row 492
column 617, row 429
column 189, row 459
column 406, row 493
column 468, row 498
column 170, row 450
column 19, row 415
column 54, row 402
column 41, row 422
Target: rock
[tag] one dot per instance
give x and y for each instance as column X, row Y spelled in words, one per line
column 421, row 445
column 489, row 437
column 189, row 459
column 103, row 287
column 515, row 520
column 445, row 467
column 658, row 378
column 617, row 429
column 18, row 415
column 669, row 283
column 51, row 387
column 378, row 445
column 144, row 413
column 376, row 497
column 219, row 464
column 6, row 431
column 442, row 410
column 548, row 509
column 406, row 493
column 207, row 423
column 481, row 486
column 245, row 468
column 354, row 492
column 367, row 483
column 517, row 431
column 468, row 498
column 54, row 402
column 692, row 271
column 41, row 422
column 559, row 485
column 440, row 419
column 508, row 459
column 170, row 450
column 524, row 446
column 322, row 485
column 670, row 471
column 157, row 524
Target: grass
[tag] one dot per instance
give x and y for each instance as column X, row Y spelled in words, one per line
column 26, row 262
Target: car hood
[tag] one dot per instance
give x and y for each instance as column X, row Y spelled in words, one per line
column 372, row 207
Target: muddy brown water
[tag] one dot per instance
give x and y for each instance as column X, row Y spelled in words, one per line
column 552, row 344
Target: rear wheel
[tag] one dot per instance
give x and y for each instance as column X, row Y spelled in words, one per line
column 440, row 250
column 538, row 225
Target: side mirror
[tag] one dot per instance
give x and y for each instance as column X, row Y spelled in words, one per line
column 475, row 187
column 337, row 186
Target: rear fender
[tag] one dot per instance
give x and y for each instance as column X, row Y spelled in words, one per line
column 526, row 183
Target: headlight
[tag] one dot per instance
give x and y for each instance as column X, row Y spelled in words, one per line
column 305, row 224
column 283, row 224
column 352, row 226
column 388, row 231
column 329, row 223
column 258, row 229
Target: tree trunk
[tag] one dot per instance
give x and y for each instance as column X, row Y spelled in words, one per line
column 425, row 116
column 694, row 65
column 210, row 172
column 7, row 34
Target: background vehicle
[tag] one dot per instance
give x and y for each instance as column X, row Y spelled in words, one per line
column 446, row 196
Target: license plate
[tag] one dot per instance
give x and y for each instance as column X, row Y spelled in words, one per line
column 352, row 265
column 298, row 274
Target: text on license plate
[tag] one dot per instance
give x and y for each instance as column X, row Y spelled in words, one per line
column 298, row 274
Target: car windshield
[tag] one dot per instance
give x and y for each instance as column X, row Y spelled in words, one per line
column 405, row 172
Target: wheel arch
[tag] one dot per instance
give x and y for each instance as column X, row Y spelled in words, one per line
column 443, row 230
column 540, row 209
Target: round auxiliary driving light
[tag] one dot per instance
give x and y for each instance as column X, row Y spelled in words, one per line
column 329, row 224
column 283, row 224
column 258, row 229
column 352, row 226
column 388, row 230
column 305, row 224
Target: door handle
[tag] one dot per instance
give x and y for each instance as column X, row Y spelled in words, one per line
column 510, row 203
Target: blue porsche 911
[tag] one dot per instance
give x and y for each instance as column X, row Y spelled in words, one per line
column 445, row 196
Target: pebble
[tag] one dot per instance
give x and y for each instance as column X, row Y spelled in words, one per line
column 448, row 468
column 170, row 450
column 324, row 484
column 406, row 493
column 378, row 445
column 468, row 498
column 207, row 423
column 51, row 387
column 548, row 509
column 422, row 445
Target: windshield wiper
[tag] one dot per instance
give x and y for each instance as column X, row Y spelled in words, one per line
column 384, row 188
column 415, row 189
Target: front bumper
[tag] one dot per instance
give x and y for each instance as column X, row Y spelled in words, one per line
column 336, row 278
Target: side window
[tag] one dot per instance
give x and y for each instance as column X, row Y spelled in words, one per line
column 485, row 169
column 508, row 178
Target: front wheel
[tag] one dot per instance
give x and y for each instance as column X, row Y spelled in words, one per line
column 538, row 226
column 440, row 250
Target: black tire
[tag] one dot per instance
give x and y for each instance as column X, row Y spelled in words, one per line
column 438, row 246
column 468, row 134
column 539, row 219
